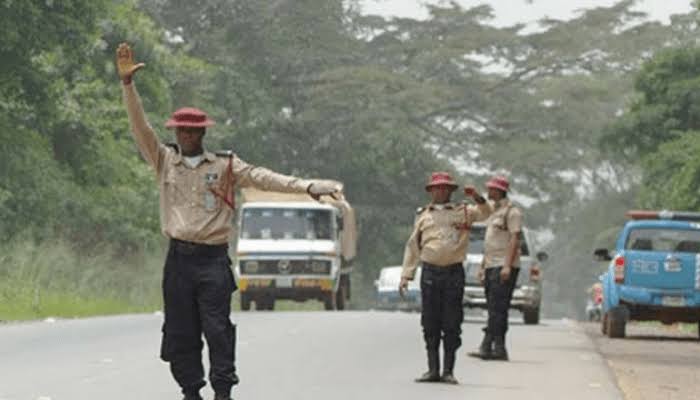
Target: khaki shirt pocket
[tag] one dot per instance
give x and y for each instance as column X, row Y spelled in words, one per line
column 172, row 191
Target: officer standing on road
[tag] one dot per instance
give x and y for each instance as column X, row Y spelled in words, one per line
column 196, row 207
column 439, row 242
column 500, row 268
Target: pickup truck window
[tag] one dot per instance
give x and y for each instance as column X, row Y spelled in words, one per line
column 666, row 240
column 286, row 223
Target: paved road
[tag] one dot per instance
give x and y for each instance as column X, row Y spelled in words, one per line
column 304, row 356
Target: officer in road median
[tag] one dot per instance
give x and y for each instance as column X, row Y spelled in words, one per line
column 500, row 268
column 439, row 243
column 196, row 207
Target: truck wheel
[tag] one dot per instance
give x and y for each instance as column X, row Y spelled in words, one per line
column 341, row 296
column 616, row 323
column 265, row 303
column 329, row 301
column 531, row 316
column 245, row 302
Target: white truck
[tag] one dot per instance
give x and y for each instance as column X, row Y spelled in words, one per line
column 292, row 247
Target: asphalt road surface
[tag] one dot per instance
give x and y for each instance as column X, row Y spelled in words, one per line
column 304, row 356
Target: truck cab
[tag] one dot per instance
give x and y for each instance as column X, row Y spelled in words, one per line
column 653, row 272
column 293, row 248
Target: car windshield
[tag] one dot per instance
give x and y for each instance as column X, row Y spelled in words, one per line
column 476, row 241
column 286, row 223
column 667, row 240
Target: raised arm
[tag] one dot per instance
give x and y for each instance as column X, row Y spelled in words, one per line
column 482, row 210
column 146, row 139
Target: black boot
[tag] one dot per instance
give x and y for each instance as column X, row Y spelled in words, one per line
column 447, row 371
column 433, row 374
column 222, row 397
column 192, row 396
column 485, row 352
column 499, row 349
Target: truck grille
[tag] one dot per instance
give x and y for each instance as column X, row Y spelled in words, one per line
column 285, row 267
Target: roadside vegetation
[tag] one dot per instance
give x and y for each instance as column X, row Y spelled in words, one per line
column 588, row 117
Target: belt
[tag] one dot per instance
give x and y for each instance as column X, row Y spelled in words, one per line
column 442, row 268
column 198, row 249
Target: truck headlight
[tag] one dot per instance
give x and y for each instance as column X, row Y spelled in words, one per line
column 320, row 267
column 250, row 267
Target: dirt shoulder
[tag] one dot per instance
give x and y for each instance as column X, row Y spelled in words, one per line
column 654, row 362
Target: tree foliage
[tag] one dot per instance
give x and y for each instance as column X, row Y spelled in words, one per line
column 316, row 88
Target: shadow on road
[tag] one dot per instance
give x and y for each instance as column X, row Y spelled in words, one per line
column 659, row 338
column 511, row 322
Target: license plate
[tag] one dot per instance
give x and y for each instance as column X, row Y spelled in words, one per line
column 284, row 282
column 673, row 301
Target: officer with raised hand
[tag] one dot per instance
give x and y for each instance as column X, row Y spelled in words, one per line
column 196, row 208
column 439, row 243
column 500, row 268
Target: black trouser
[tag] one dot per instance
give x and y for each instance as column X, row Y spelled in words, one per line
column 442, row 290
column 498, row 296
column 197, row 288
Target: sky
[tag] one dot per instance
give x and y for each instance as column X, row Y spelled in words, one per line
column 510, row 12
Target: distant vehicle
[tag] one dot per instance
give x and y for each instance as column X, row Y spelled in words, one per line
column 387, row 294
column 292, row 247
column 654, row 272
column 527, row 296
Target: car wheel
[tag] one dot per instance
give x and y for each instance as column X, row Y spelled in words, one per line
column 531, row 316
column 616, row 323
column 245, row 302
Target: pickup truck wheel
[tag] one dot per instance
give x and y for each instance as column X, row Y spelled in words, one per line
column 245, row 302
column 604, row 324
column 531, row 316
column 616, row 324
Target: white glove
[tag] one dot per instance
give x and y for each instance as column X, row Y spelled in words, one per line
column 324, row 187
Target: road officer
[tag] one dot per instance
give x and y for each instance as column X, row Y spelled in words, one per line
column 500, row 268
column 439, row 243
column 196, row 207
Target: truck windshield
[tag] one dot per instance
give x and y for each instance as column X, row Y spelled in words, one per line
column 669, row 240
column 286, row 223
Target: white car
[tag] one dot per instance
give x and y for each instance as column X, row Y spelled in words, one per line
column 387, row 290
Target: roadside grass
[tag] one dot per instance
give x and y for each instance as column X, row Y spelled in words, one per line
column 54, row 280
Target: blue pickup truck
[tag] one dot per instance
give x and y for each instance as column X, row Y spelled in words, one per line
column 654, row 272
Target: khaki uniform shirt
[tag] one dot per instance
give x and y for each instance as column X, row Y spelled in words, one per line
column 498, row 234
column 189, row 211
column 437, row 237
